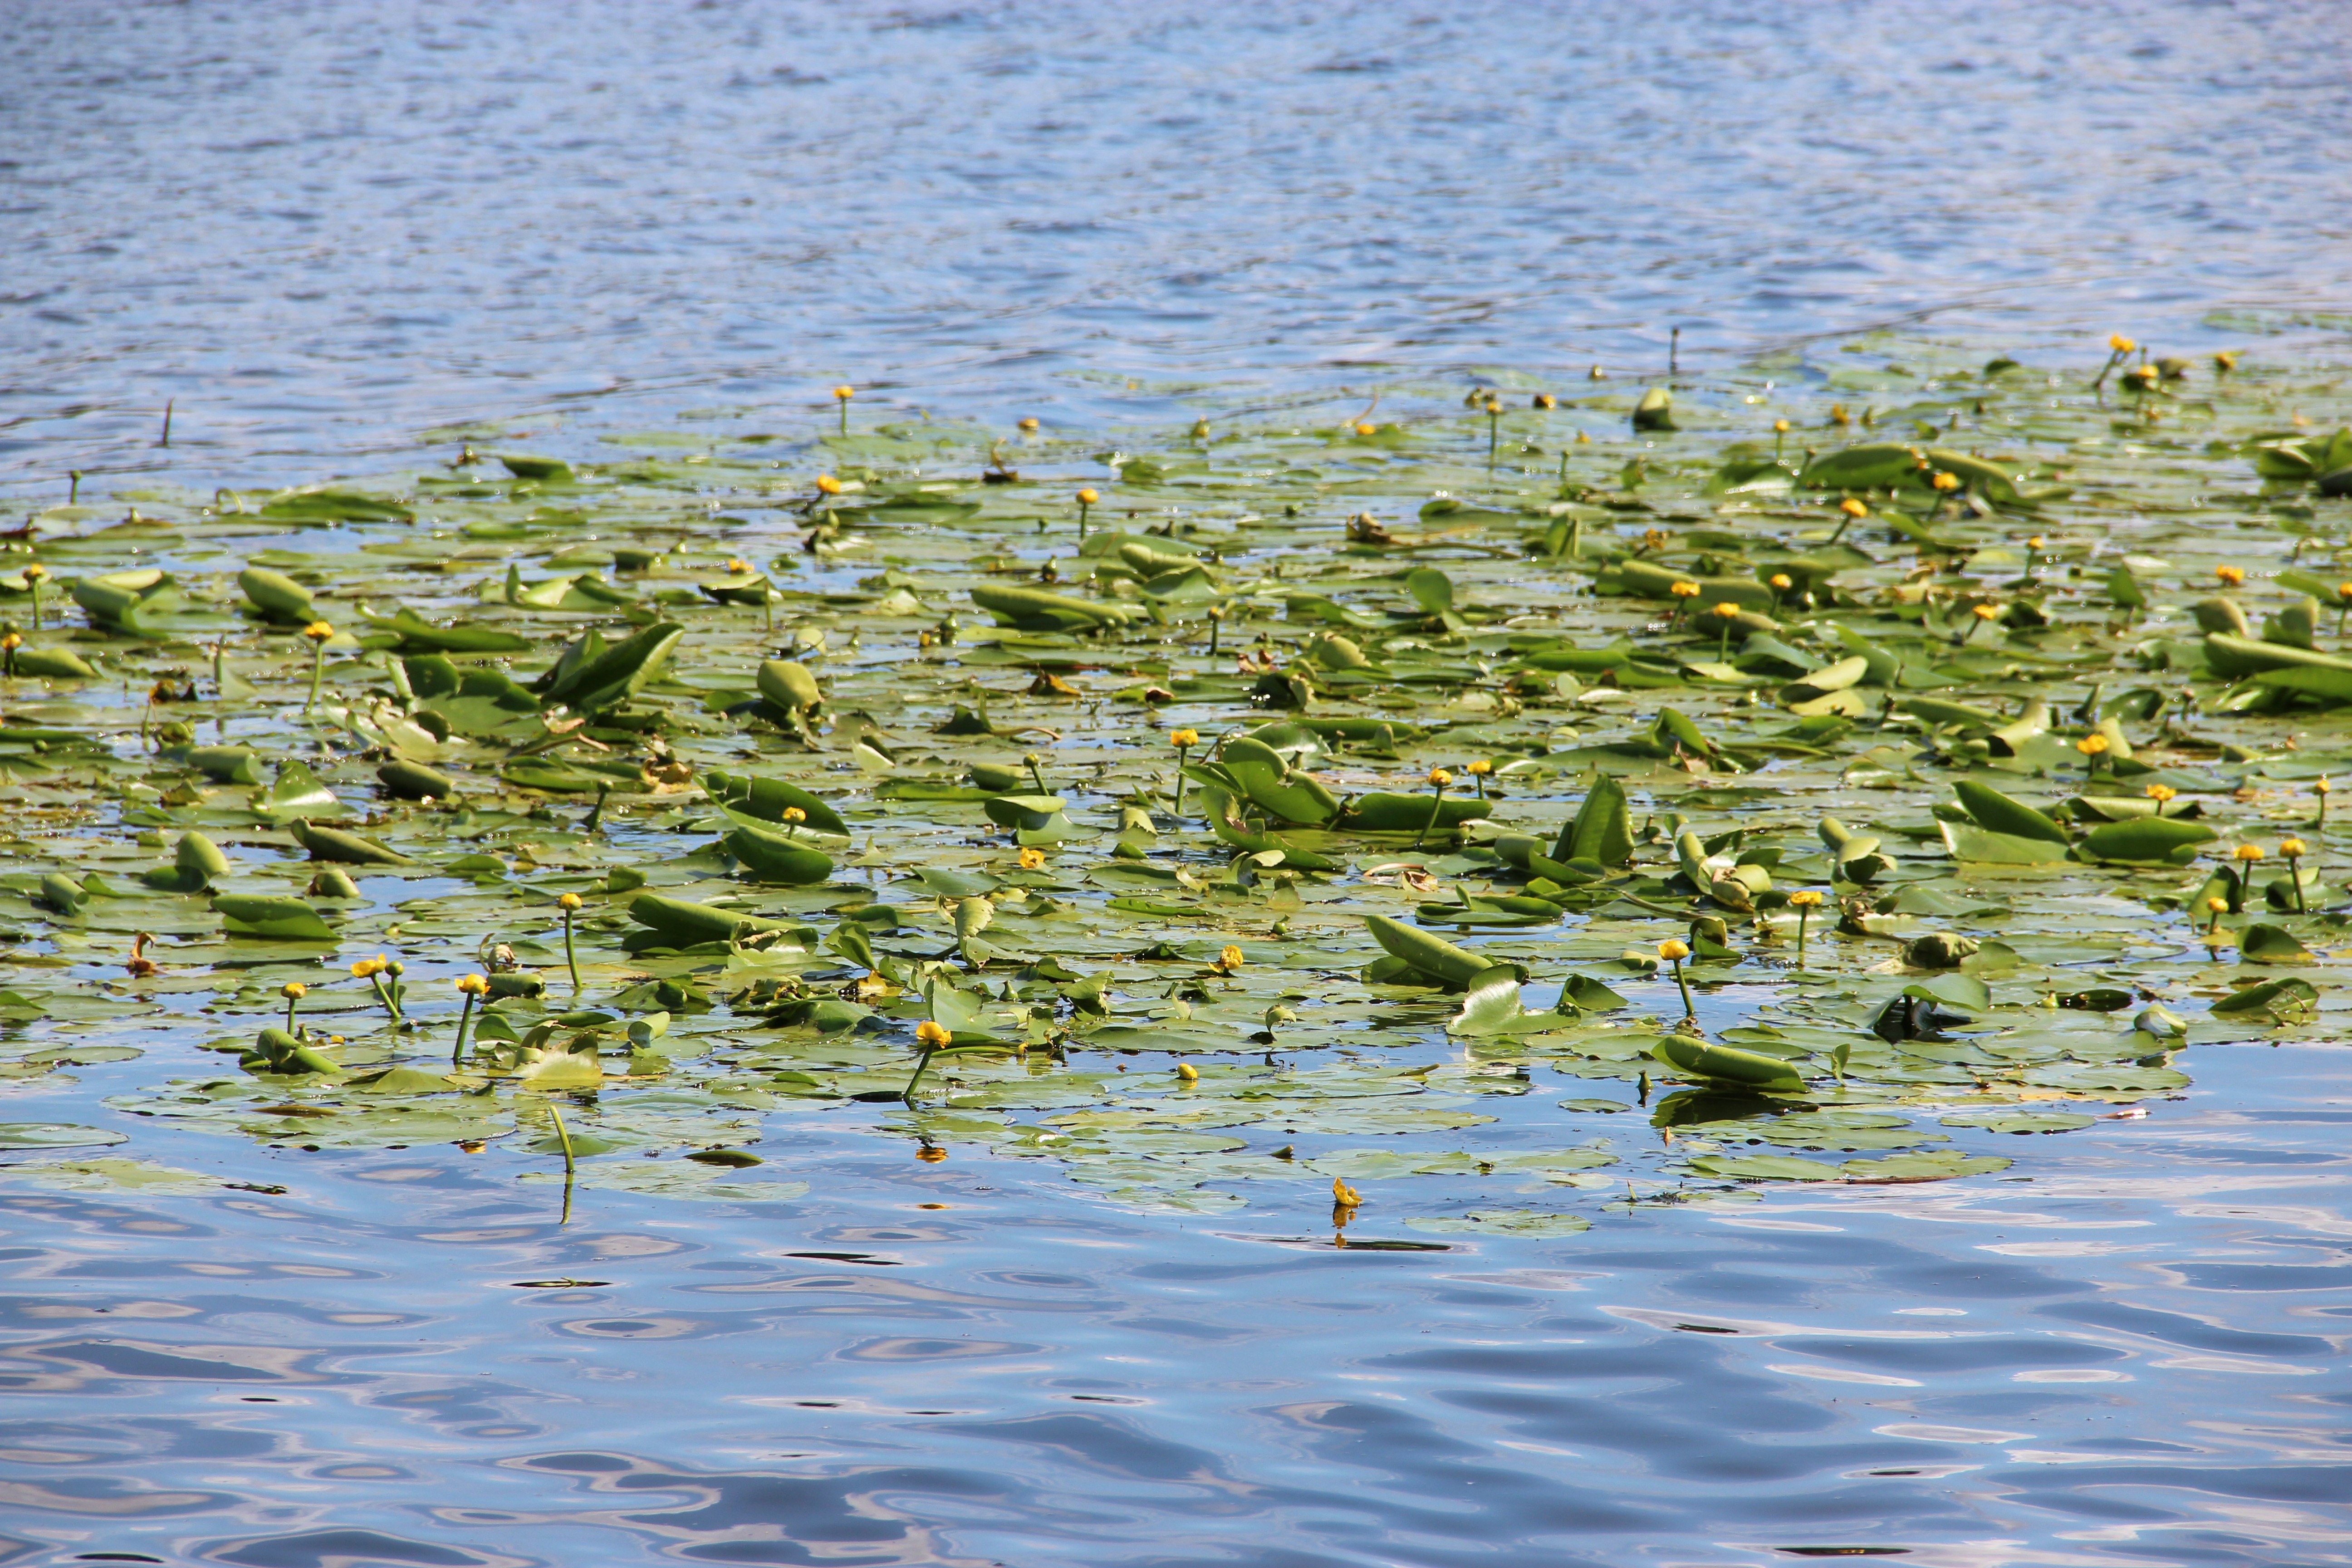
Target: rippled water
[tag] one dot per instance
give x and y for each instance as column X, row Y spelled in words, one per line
column 324, row 229
column 2132, row 1357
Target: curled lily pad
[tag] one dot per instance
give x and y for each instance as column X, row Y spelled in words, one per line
column 2147, row 841
column 1726, row 1064
column 2269, row 998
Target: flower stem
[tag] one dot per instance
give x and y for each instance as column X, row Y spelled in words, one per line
column 563, row 1136
column 1689, row 1011
column 1436, row 804
column 464, row 1018
column 570, row 959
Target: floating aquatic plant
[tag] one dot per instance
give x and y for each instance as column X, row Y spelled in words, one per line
column 847, row 787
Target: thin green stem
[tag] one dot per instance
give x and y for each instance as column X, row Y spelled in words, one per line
column 563, row 1136
column 1179, row 780
column 465, row 1019
column 1689, row 1011
column 1436, row 805
column 570, row 959
column 922, row 1066
column 318, row 672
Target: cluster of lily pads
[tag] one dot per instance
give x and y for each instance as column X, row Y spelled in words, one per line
column 1838, row 764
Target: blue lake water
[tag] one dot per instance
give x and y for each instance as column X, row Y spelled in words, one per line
column 323, row 230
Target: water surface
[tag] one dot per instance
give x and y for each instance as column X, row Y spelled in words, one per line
column 327, row 230
column 324, row 229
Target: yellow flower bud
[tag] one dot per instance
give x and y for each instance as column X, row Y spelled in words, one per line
column 569, row 902
column 1033, row 860
column 2092, row 745
column 2161, row 793
column 844, row 392
column 2248, row 852
column 1440, row 778
column 2217, row 906
column 1030, row 425
column 474, row 985
column 1183, row 740
column 1684, row 590
column 931, row 1035
column 827, row 485
column 1674, row 951
column 1188, row 1072
column 1230, row 957
column 2233, row 575
column 1478, row 767
column 2291, row 847
column 1783, row 582
column 2121, row 344
column 1368, row 428
column 1851, row 506
column 1780, row 427
column 795, row 814
column 1725, row 608
column 1806, row 899
column 1088, row 496
column 294, row 990
column 318, row 631
column 1987, row 612
column 1946, row 481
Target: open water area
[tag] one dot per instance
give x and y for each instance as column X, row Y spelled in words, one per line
column 339, row 236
